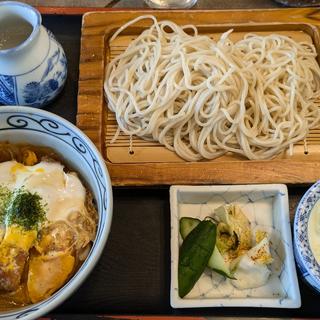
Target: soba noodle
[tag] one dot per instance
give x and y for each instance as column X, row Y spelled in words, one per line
column 201, row 98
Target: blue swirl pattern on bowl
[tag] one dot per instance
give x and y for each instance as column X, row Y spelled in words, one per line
column 305, row 259
column 28, row 120
column 51, row 127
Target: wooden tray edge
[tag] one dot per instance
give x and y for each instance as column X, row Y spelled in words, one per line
column 246, row 172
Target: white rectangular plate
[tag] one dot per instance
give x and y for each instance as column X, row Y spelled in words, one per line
column 266, row 207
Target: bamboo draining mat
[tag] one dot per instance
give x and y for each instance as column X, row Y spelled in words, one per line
column 138, row 162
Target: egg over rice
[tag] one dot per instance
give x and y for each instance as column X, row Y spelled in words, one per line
column 47, row 224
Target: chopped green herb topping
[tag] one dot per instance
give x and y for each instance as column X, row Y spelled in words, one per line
column 25, row 209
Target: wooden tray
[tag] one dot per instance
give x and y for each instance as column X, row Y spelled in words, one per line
column 149, row 163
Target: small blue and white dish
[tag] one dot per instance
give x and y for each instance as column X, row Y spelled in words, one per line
column 305, row 258
column 33, row 65
column 41, row 128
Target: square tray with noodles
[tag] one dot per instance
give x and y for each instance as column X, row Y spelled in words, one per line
column 136, row 161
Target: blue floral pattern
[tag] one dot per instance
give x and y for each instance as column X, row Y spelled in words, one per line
column 14, row 90
column 7, row 90
column 41, row 92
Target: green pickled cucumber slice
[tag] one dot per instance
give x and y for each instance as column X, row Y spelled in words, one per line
column 216, row 261
column 187, row 225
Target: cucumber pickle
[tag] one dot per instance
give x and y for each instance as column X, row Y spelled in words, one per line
column 187, row 225
column 194, row 255
column 216, row 261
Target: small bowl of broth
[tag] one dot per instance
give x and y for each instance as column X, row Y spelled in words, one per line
column 14, row 30
column 33, row 65
column 55, row 210
column 307, row 236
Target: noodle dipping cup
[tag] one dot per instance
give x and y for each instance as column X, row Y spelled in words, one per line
column 33, row 72
column 41, row 128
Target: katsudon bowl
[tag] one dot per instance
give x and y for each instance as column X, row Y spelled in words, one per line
column 29, row 126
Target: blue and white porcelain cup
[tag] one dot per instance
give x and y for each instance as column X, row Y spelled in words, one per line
column 34, row 70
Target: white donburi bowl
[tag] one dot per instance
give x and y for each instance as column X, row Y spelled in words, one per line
column 42, row 128
column 309, row 267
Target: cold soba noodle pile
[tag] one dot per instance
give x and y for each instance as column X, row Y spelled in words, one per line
column 201, row 98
